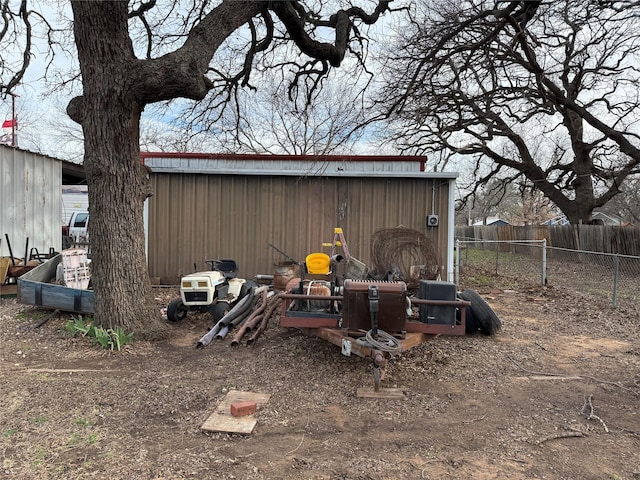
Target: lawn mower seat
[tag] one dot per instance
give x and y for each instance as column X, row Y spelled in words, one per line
column 228, row 267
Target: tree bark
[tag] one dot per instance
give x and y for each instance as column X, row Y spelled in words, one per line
column 117, row 182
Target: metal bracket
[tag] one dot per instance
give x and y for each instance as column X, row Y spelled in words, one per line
column 346, row 347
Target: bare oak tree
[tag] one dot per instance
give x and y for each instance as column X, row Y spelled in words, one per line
column 544, row 93
column 626, row 205
column 266, row 121
column 119, row 79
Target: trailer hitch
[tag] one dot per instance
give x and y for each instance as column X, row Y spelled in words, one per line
column 379, row 360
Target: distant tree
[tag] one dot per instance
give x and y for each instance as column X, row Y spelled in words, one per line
column 533, row 208
column 542, row 91
column 266, row 121
column 133, row 54
column 519, row 204
column 626, row 205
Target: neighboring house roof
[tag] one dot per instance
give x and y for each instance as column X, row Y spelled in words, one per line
column 495, row 221
column 560, row 220
column 598, row 217
column 607, row 219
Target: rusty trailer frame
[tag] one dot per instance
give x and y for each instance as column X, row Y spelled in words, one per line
column 328, row 326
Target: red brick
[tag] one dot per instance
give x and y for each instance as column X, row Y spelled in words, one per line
column 240, row 409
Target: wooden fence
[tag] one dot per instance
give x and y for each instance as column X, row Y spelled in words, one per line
column 594, row 238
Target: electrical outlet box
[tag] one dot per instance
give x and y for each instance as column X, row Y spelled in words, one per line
column 432, row 220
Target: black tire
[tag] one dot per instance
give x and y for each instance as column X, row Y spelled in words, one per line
column 219, row 310
column 482, row 316
column 177, row 311
column 471, row 324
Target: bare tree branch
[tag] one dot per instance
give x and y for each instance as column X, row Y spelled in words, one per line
column 543, row 88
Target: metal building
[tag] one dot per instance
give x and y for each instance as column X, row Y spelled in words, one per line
column 209, row 206
column 30, row 197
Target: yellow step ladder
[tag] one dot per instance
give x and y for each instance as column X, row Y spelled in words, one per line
column 339, row 241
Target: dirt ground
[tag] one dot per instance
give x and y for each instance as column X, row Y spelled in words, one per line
column 553, row 395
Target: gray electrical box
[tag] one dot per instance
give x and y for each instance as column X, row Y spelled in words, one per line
column 435, row 290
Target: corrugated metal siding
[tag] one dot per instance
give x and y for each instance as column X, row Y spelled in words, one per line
column 197, row 217
column 30, row 200
column 300, row 165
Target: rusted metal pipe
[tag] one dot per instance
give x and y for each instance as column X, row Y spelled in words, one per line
column 265, row 320
column 255, row 300
column 457, row 303
column 250, row 321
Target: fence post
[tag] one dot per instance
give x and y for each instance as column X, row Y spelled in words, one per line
column 616, row 271
column 497, row 253
column 544, row 262
column 457, row 279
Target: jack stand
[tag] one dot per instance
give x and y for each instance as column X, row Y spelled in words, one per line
column 379, row 359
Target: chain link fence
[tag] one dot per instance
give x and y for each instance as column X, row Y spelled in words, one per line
column 520, row 263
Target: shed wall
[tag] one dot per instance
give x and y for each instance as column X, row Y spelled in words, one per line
column 195, row 217
column 30, row 198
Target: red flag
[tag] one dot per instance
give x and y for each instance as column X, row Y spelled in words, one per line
column 9, row 123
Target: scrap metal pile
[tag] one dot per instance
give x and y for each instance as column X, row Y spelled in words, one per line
column 366, row 312
column 250, row 315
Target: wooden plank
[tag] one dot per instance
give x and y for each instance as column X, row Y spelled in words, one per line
column 4, row 268
column 222, row 421
column 435, row 328
column 299, row 320
column 414, row 339
column 7, row 291
column 384, row 393
column 335, row 336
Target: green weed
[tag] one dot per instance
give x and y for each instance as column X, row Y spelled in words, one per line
column 83, row 422
column 9, row 432
column 110, row 338
column 77, row 326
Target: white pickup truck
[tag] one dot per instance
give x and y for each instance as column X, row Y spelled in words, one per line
column 77, row 228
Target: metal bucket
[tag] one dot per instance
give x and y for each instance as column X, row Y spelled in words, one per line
column 283, row 272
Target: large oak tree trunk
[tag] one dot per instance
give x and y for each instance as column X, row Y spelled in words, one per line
column 117, row 182
column 116, row 87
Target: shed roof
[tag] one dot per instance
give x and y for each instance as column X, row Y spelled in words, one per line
column 395, row 166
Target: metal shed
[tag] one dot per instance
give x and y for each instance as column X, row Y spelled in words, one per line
column 208, row 206
column 30, row 198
